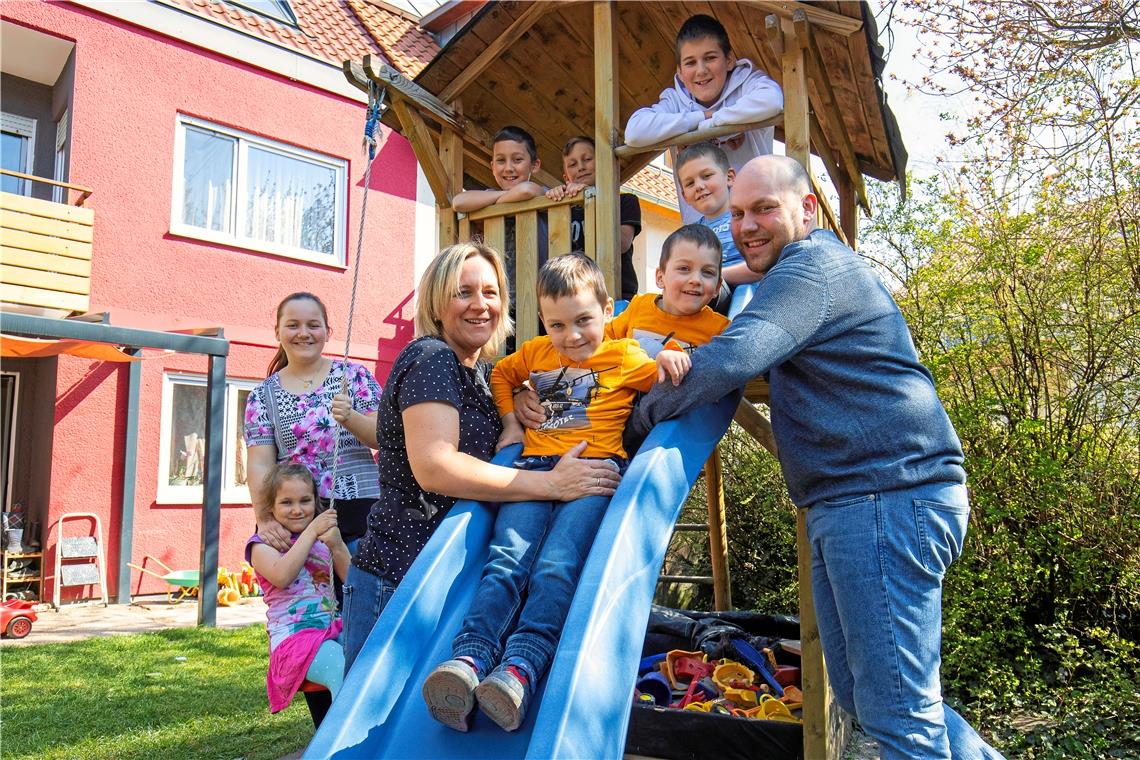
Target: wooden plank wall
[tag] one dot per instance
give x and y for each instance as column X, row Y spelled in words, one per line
column 45, row 259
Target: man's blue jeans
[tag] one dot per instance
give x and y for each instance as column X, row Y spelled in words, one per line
column 537, row 552
column 365, row 596
column 877, row 566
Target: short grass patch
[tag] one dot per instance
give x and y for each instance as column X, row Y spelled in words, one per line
column 179, row 693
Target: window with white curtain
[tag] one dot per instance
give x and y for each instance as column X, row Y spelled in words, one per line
column 236, row 188
column 182, row 446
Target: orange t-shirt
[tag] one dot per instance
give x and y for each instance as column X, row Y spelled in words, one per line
column 588, row 401
column 644, row 321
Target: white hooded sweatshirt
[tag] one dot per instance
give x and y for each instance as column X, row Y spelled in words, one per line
column 749, row 95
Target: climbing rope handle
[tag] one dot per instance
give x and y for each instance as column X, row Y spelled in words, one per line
column 376, row 96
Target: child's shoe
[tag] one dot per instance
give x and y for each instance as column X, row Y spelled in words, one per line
column 450, row 693
column 503, row 696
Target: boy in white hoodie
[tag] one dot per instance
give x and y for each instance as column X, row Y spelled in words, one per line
column 712, row 88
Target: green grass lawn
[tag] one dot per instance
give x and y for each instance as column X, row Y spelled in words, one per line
column 180, row 693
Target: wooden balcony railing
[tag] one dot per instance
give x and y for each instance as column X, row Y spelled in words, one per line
column 45, row 251
column 493, row 222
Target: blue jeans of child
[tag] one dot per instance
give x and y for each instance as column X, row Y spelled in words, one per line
column 877, row 566
column 537, row 552
column 365, row 596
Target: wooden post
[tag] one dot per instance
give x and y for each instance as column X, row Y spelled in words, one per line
column 718, row 540
column 797, row 139
column 605, row 137
column 526, row 274
column 848, row 211
column 451, row 157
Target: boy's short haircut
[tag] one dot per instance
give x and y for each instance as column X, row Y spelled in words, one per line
column 569, row 275
column 697, row 234
column 702, row 150
column 701, row 26
column 519, row 135
column 569, row 146
column 278, row 474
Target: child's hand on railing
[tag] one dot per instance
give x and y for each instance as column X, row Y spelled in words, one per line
column 674, row 365
column 568, row 190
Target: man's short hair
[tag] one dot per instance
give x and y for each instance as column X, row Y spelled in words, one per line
column 793, row 176
column 697, row 234
column 702, row 150
column 571, row 274
column 519, row 135
column 569, row 146
column 701, row 26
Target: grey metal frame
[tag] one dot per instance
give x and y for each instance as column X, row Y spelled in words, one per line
column 216, row 347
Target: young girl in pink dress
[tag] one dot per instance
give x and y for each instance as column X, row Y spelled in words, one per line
column 302, row 621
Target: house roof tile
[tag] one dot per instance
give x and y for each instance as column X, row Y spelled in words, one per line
column 655, row 183
column 333, row 30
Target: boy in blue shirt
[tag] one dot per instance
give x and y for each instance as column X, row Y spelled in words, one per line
column 706, row 178
column 712, row 88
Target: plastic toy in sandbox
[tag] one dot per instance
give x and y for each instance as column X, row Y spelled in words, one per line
column 729, row 680
column 16, row 618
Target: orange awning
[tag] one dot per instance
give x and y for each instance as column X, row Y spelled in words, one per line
column 35, row 348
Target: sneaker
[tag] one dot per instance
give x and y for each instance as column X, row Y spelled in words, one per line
column 503, row 697
column 450, row 693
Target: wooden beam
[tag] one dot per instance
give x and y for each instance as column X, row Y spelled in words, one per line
column 534, row 204
column 606, row 76
column 756, row 424
column 831, row 111
column 526, row 275
column 702, row 135
column 824, row 209
column 451, row 158
column 420, row 138
column 824, row 19
column 848, row 213
column 401, row 88
column 718, row 537
column 797, row 130
column 493, row 50
column 813, row 676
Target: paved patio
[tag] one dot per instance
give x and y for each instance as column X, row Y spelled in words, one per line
column 76, row 622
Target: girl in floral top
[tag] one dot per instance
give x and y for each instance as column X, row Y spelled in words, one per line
column 301, row 617
column 297, row 412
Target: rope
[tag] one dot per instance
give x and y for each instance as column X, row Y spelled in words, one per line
column 371, row 128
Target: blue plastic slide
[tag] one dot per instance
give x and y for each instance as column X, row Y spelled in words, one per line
column 582, row 707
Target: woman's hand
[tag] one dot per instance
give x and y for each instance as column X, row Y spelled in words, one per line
column 573, row 478
column 673, row 365
column 274, row 534
column 528, row 409
column 341, row 408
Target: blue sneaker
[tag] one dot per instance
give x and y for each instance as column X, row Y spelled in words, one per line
column 450, row 693
column 503, row 696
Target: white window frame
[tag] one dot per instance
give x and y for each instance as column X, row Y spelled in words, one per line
column 238, row 238
column 11, row 463
column 234, row 421
column 59, row 194
column 24, row 127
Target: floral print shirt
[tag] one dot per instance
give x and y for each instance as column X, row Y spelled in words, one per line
column 306, row 431
column 308, row 602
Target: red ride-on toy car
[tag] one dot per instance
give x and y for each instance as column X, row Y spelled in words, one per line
column 16, row 618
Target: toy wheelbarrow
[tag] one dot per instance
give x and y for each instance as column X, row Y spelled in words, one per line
column 184, row 583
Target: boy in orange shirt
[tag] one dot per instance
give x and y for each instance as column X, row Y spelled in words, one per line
column 587, row 385
column 689, row 275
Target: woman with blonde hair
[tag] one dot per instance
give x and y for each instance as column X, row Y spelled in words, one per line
column 438, row 427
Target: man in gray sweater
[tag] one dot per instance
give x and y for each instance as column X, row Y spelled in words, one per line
column 865, row 446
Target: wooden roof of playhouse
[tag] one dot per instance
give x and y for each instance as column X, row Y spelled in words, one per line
column 532, row 64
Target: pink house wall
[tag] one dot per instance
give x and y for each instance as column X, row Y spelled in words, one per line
column 130, row 86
